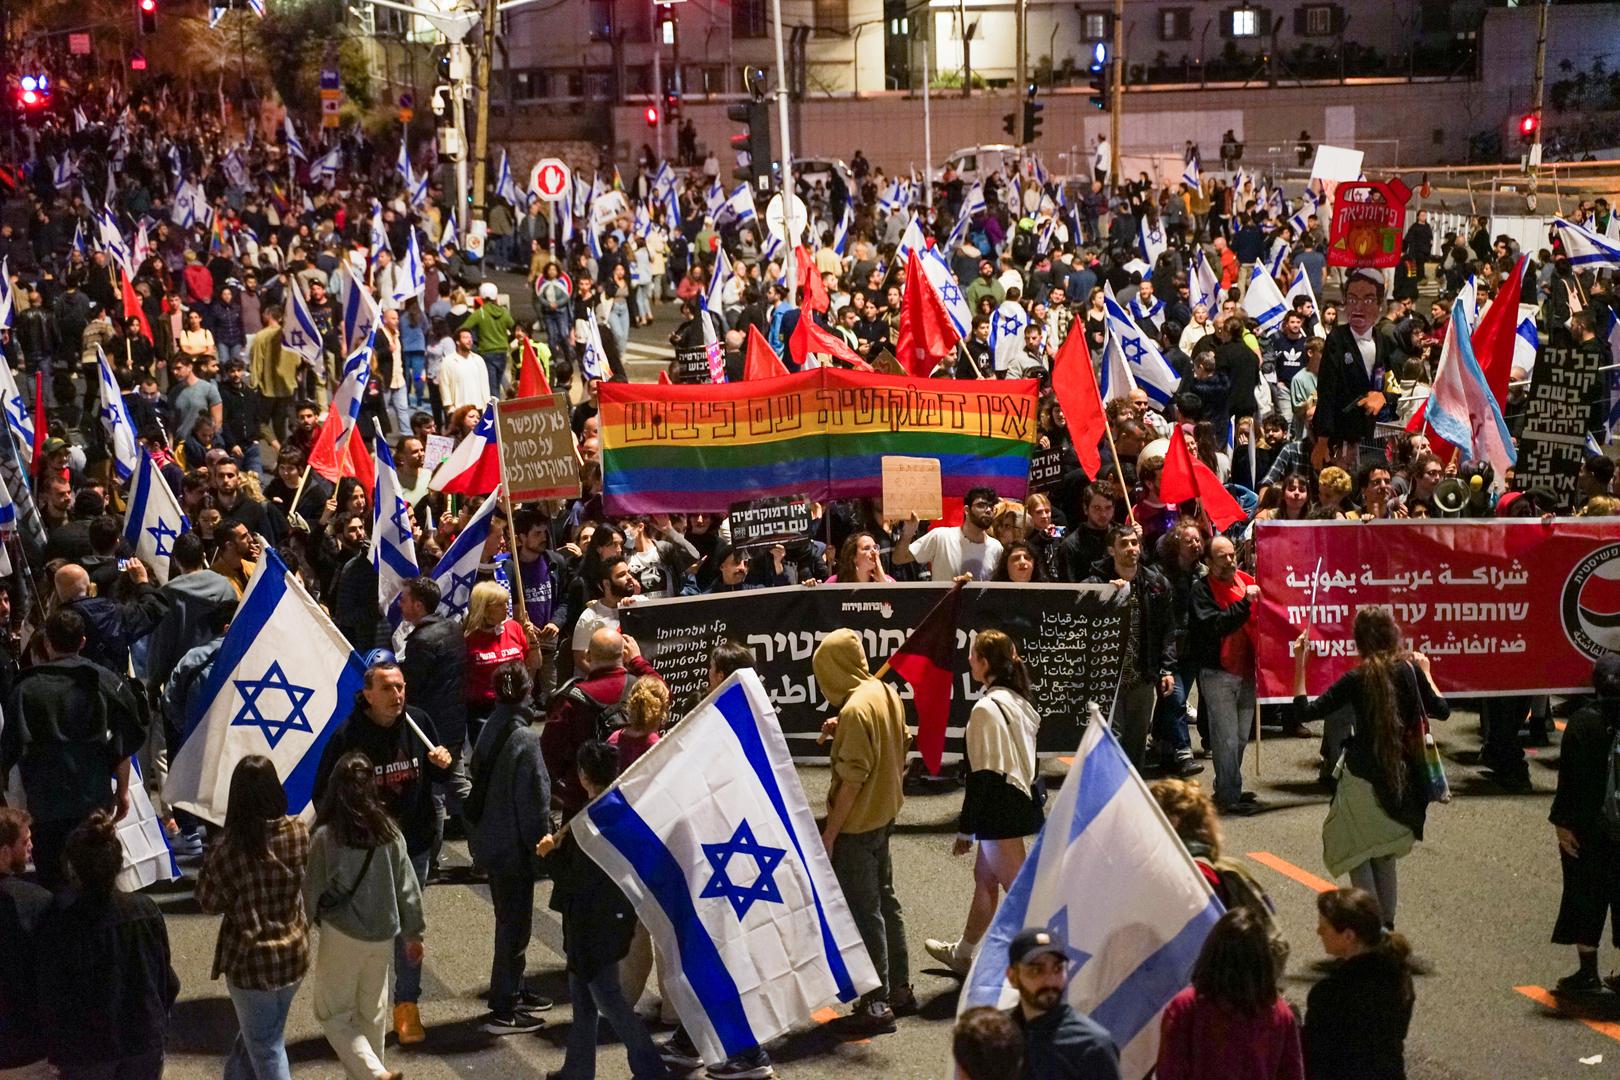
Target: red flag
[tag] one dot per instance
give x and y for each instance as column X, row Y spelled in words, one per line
column 808, row 338
column 132, row 306
column 1075, row 384
column 333, row 463
column 1494, row 334
column 925, row 662
column 663, row 378
column 812, row 290
column 926, row 331
column 1185, row 477
column 531, row 379
column 762, row 362
column 41, row 427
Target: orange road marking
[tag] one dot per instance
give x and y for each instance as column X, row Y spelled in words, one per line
column 1289, row 870
column 1066, row 760
column 827, row 1016
column 1559, row 724
column 1543, row 997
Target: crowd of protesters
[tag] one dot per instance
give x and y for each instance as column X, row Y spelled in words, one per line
column 193, row 330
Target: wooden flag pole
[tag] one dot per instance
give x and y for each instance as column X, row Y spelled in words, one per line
column 1119, row 471
column 511, row 525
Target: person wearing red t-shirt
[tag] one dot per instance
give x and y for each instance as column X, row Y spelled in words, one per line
column 493, row 638
column 1220, row 642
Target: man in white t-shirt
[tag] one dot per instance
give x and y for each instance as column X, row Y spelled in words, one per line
column 616, row 588
column 966, row 552
column 463, row 376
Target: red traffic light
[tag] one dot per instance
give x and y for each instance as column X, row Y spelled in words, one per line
column 30, row 97
column 1528, row 125
column 652, row 116
column 148, row 6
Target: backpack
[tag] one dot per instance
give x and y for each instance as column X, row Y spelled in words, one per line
column 1240, row 889
column 606, row 719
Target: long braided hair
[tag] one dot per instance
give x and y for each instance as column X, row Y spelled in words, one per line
column 1378, row 640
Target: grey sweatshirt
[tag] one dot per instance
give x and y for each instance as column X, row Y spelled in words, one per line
column 388, row 901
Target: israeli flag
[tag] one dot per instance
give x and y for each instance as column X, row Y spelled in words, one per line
column 153, row 519
column 1527, row 339
column 360, row 314
column 910, row 240
column 419, row 189
column 1586, row 248
column 710, row 837
column 506, row 188
column 1203, row 286
column 714, row 197
column 1007, row 324
column 663, row 180
column 672, row 210
column 1301, row 286
column 17, row 419
column 8, row 525
column 1108, row 877
column 402, row 167
column 1191, row 176
column 7, row 302
column 583, row 193
column 80, row 245
column 1275, row 206
column 171, row 154
column 378, row 240
column 300, row 333
column 282, row 682
column 412, row 279
column 593, row 362
column 1116, row 379
column 457, row 570
column 351, row 388
column 324, row 169
column 448, row 236
column 112, row 241
column 63, row 171
column 714, row 296
column 295, row 148
column 1151, row 239
column 739, row 207
column 892, row 199
column 1280, row 250
column 393, row 539
column 1142, row 357
column 1308, row 206
column 115, row 422
column 949, row 290
column 564, row 211
column 845, row 223
column 1149, row 313
column 1264, row 301
column 236, row 172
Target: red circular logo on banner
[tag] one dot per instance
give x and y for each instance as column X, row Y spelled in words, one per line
column 1590, row 605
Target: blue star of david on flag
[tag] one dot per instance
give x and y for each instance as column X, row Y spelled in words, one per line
column 251, row 715
column 401, row 518
column 1058, row 927
column 162, row 533
column 460, row 587
column 766, row 860
column 1133, row 350
column 950, row 293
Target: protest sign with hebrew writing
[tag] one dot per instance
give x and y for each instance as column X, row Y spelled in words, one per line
column 537, row 448
column 1499, row 606
column 1068, row 635
column 763, row 522
column 820, row 433
column 1568, row 398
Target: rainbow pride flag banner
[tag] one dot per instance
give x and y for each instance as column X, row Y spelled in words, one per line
column 698, row 448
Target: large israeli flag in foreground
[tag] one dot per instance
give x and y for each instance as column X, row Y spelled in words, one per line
column 1108, row 876
column 711, row 839
column 283, row 680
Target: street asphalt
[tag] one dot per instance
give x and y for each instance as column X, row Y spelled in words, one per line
column 1478, row 899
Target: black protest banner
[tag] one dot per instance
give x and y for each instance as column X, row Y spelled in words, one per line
column 1045, row 471
column 774, row 520
column 1068, row 635
column 1567, row 381
column 692, row 364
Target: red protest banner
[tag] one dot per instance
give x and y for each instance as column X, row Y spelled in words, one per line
column 1365, row 229
column 1502, row 607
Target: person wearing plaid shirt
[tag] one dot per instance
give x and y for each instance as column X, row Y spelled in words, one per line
column 254, row 877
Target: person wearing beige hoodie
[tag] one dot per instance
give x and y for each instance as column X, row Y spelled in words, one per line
column 868, row 762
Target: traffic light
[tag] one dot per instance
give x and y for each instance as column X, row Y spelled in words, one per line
column 667, row 26
column 1032, row 116
column 651, row 114
column 1009, row 124
column 753, row 145
column 1529, row 125
column 34, row 92
column 672, row 105
column 1102, row 74
column 146, row 11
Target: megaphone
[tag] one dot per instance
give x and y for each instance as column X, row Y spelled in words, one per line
column 1450, row 496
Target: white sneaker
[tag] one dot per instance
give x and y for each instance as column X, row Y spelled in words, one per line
column 951, row 954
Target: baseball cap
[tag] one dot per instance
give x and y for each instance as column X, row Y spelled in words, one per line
column 1031, row 943
column 488, row 291
column 54, row 444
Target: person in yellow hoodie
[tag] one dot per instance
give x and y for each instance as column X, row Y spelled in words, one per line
column 868, row 760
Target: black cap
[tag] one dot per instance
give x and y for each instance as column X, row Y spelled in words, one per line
column 1033, row 942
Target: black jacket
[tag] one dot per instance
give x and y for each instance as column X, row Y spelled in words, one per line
column 1342, row 380
column 1080, row 550
column 1356, row 1020
column 1152, row 590
column 404, row 774
column 108, row 988
column 69, row 723
column 22, row 905
column 433, row 662
column 112, row 627
column 1583, row 759
column 597, row 921
column 1062, row 1044
column 1208, row 624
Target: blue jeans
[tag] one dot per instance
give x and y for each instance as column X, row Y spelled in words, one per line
column 495, row 362
column 602, row 996
column 260, row 1052
column 1170, row 736
column 559, row 324
column 397, row 403
column 408, row 976
column 416, row 376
